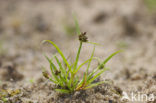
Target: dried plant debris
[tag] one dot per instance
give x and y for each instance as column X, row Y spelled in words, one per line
column 154, row 76
column 9, row 73
column 129, row 27
column 105, row 92
column 100, row 17
column 40, row 24
column 150, row 88
column 135, row 74
column 10, row 96
column 102, row 93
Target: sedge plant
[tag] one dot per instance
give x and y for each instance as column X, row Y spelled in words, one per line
column 65, row 75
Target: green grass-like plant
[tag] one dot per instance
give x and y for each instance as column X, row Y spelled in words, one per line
column 65, row 74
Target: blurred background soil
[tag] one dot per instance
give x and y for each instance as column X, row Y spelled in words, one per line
column 116, row 24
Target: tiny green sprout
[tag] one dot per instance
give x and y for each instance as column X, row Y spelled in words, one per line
column 122, row 44
column 4, row 100
column 151, row 5
column 31, row 80
column 65, row 75
column 5, row 94
column 69, row 29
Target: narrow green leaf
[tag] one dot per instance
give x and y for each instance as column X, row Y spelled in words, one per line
column 94, row 85
column 85, row 62
column 75, row 65
column 63, row 91
column 55, row 76
column 50, row 78
column 90, row 59
column 108, row 58
column 63, row 81
column 53, row 81
column 63, row 71
column 52, row 66
column 77, row 25
column 60, row 52
column 77, row 57
column 94, row 43
column 76, row 82
column 92, row 73
column 97, row 75
column 50, row 61
column 82, row 81
column 60, row 79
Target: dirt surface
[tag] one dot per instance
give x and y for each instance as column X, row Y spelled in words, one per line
column 115, row 24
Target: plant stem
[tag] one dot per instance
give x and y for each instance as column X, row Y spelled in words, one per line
column 78, row 55
column 76, row 62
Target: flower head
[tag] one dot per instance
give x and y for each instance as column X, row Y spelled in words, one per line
column 83, row 37
column 45, row 74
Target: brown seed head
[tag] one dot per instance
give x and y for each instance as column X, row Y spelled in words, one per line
column 45, row 74
column 57, row 72
column 83, row 37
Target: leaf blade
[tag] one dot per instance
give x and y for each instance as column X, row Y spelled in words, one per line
column 85, row 62
column 97, row 75
column 90, row 59
column 60, row 52
column 77, row 25
column 109, row 57
column 61, row 68
column 94, row 85
column 63, row 91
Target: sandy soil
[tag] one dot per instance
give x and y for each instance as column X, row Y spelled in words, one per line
column 116, row 24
